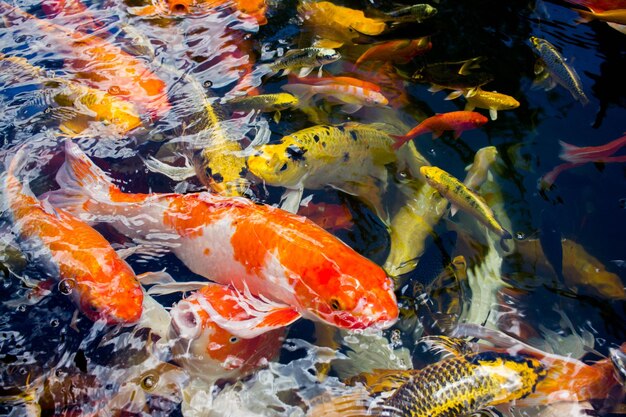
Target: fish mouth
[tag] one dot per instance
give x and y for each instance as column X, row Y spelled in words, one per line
column 185, row 322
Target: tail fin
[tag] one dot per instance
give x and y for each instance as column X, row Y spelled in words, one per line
column 402, row 139
column 81, row 181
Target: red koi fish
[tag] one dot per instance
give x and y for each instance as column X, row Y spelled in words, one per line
column 457, row 121
column 103, row 285
column 399, row 51
column 301, row 269
column 102, row 65
column 209, row 352
column 576, row 154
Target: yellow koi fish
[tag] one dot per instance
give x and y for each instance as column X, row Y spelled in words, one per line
column 464, row 199
column 490, row 100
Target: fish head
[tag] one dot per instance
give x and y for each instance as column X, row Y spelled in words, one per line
column 325, row 56
column 429, row 11
column 112, row 293
column 284, row 164
column 124, row 115
column 201, row 344
column 346, row 290
column 430, row 173
column 475, row 120
column 374, row 98
column 537, row 42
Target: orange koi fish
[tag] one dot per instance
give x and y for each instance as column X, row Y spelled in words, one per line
column 457, row 121
column 209, row 352
column 399, row 51
column 291, row 264
column 352, row 93
column 102, row 65
column 101, row 284
column 255, row 9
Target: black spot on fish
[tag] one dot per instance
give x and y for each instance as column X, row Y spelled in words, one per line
column 323, row 144
column 295, row 153
column 341, row 129
column 218, row 178
column 243, row 172
column 346, row 156
column 316, row 138
column 353, row 135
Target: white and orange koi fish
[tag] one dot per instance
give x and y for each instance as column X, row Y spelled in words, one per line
column 209, row 352
column 285, row 260
column 101, row 283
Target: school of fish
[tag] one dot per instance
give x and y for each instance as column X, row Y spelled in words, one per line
column 192, row 191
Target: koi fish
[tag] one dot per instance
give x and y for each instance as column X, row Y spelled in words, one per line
column 217, row 155
column 262, row 102
column 350, row 157
column 399, row 51
column 73, row 103
column 556, row 70
column 586, row 154
column 303, row 60
column 211, row 236
column 460, row 76
column 566, row 379
column 415, row 13
column 209, row 352
column 577, row 156
column 352, row 93
column 490, row 100
column 464, row 384
column 100, row 283
column 337, row 24
column 457, row 121
column 464, row 199
column 96, row 62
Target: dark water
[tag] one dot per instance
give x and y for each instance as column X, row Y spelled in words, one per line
column 586, row 205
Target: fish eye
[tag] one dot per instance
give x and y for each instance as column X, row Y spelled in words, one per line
column 149, row 381
column 283, row 168
column 66, row 286
column 233, row 340
column 335, row 304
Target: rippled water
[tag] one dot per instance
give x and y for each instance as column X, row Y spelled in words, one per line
column 216, row 48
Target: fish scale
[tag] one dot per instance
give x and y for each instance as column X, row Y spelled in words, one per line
column 464, row 385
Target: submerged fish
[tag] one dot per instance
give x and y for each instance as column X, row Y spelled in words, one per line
column 100, row 283
column 490, row 100
column 351, row 93
column 459, row 76
column 337, row 24
column 73, row 103
column 558, row 71
column 294, row 266
column 304, row 60
column 209, row 352
column 262, row 102
column 457, row 121
column 415, row 13
column 398, row 51
column 350, row 157
column 464, row 199
column 96, row 62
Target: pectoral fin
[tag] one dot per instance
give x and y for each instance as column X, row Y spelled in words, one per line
column 493, row 114
column 350, row 108
column 263, row 315
column 174, row 287
column 290, row 200
column 173, row 172
column 156, row 277
column 450, row 345
column 382, row 380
